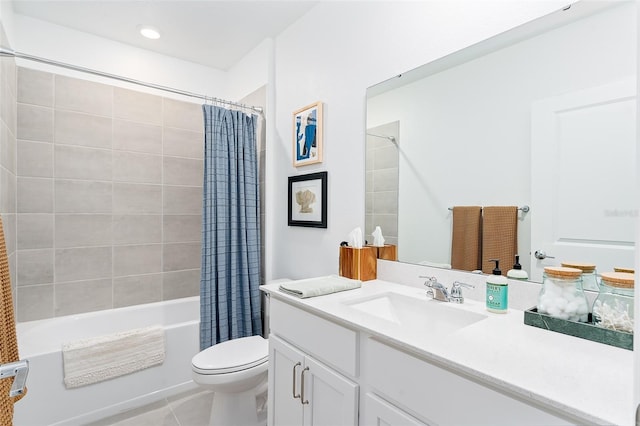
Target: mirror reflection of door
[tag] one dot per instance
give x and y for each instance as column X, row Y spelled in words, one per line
column 583, row 151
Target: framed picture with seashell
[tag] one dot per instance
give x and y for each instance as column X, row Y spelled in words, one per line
column 308, row 200
column 307, row 135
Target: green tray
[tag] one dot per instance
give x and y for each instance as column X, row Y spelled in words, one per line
column 588, row 331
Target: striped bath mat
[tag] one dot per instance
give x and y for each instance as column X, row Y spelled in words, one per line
column 100, row 358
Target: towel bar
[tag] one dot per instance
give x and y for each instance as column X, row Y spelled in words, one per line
column 525, row 209
column 19, row 369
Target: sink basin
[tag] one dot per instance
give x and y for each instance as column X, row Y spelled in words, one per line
column 421, row 315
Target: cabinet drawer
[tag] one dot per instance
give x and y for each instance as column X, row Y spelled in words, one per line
column 379, row 412
column 332, row 343
column 439, row 396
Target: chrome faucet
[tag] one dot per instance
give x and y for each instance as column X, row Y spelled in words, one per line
column 440, row 292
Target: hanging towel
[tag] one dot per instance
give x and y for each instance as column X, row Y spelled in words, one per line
column 499, row 237
column 8, row 340
column 319, row 286
column 465, row 239
column 100, row 358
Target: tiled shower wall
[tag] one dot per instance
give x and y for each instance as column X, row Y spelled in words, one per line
column 8, row 154
column 381, row 186
column 109, row 190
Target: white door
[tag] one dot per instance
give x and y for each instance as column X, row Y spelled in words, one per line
column 583, row 178
column 329, row 398
column 285, row 367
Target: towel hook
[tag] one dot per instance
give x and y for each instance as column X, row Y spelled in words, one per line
column 19, row 370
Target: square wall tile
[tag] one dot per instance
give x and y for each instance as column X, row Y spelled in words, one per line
column 74, row 128
column 80, row 95
column 182, row 200
column 82, row 196
column 34, row 267
column 183, row 171
column 183, row 115
column 136, row 290
column 34, row 302
column 35, row 123
column 35, row 231
column 85, row 263
column 10, row 227
column 35, row 195
column 35, row 87
column 178, row 284
column 137, row 137
column 179, row 256
column 72, row 162
column 136, row 167
column 83, row 296
column 8, row 147
column 82, row 230
column 137, row 198
column 8, row 187
column 35, row 159
column 183, row 143
column 137, row 229
column 137, row 259
column 137, row 106
column 182, row 228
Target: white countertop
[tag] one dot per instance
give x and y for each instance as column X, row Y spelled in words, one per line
column 588, row 380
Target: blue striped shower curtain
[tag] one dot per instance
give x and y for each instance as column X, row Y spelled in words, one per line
column 229, row 295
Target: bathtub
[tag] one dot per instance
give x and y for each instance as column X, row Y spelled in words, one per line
column 49, row 402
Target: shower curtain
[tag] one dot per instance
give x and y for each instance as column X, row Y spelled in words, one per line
column 230, row 277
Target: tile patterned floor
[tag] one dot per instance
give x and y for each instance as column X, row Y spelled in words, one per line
column 187, row 409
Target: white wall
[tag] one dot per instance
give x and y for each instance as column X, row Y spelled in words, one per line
column 332, row 55
column 50, row 41
column 479, row 114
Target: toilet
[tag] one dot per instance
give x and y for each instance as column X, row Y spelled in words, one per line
column 236, row 371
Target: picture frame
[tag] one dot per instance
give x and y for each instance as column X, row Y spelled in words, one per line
column 307, row 135
column 308, row 200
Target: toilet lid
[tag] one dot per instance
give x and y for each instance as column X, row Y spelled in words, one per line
column 232, row 355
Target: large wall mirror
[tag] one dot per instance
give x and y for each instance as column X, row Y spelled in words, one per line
column 543, row 116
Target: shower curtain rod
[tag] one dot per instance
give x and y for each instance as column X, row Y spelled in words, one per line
column 9, row 52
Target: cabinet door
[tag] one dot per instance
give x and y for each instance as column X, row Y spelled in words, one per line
column 380, row 413
column 329, row 398
column 285, row 367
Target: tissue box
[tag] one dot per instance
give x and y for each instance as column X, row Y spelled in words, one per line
column 387, row 252
column 358, row 264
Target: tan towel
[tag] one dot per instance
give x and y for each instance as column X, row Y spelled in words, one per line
column 499, row 237
column 8, row 340
column 465, row 240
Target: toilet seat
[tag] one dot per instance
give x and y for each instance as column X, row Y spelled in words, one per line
column 232, row 356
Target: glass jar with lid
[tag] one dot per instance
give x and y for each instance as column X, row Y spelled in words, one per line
column 562, row 295
column 589, row 276
column 613, row 308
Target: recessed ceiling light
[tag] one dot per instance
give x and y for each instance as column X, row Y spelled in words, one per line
column 149, row 32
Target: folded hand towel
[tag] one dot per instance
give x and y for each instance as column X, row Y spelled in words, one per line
column 465, row 239
column 499, row 237
column 319, row 286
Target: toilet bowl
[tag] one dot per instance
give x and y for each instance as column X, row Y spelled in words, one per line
column 236, row 371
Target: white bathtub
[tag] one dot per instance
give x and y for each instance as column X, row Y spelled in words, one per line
column 49, row 402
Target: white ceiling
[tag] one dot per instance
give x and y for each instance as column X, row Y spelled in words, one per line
column 214, row 33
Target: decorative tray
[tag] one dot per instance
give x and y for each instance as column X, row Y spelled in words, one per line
column 583, row 330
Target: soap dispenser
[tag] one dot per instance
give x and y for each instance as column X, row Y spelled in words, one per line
column 497, row 290
column 517, row 273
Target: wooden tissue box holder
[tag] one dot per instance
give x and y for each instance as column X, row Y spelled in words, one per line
column 358, row 264
column 387, row 252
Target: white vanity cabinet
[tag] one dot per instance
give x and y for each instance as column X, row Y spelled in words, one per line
column 302, row 389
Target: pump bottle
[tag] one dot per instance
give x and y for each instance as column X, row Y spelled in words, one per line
column 497, row 290
column 517, row 273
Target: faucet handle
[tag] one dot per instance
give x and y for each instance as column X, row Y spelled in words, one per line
column 430, row 280
column 456, row 291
